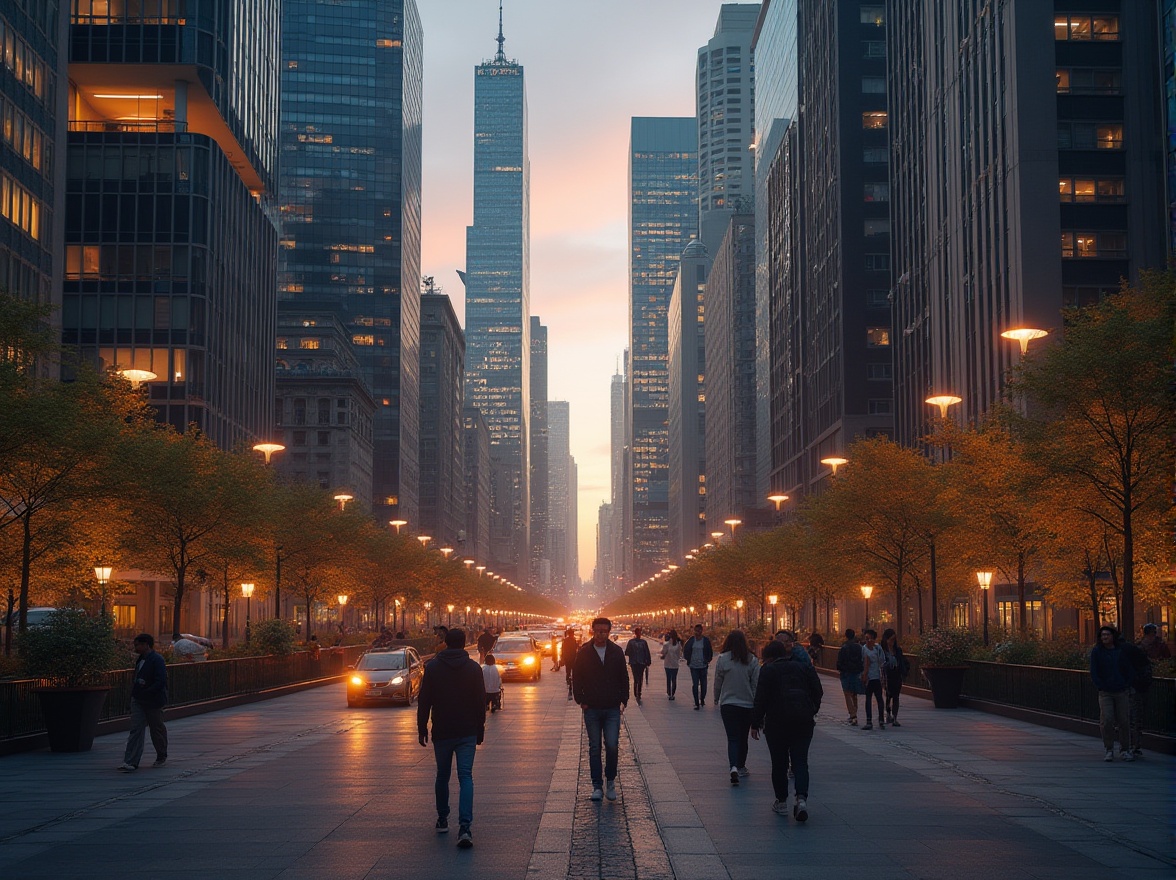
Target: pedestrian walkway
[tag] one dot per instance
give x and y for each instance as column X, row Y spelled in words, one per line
column 302, row 787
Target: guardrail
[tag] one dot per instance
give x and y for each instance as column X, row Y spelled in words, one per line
column 187, row 683
column 1066, row 692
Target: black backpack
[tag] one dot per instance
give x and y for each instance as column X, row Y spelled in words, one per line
column 795, row 700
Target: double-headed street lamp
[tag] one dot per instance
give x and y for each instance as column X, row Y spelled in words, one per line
column 984, row 579
column 247, row 592
column 867, row 591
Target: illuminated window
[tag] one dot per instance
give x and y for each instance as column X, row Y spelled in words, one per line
column 1063, row 81
column 1109, row 137
column 363, row 339
column 877, row 337
column 873, row 119
column 124, row 616
column 309, row 344
column 873, row 15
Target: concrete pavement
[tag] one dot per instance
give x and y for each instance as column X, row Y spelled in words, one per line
column 301, row 786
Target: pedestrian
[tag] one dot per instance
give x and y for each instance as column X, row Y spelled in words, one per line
column 896, row 669
column 485, row 643
column 567, row 655
column 637, row 652
column 440, row 632
column 492, row 679
column 1111, row 671
column 873, row 662
column 787, row 699
column 698, row 653
column 453, row 692
column 1141, row 679
column 783, row 635
column 671, row 655
column 1153, row 645
column 314, row 647
column 815, row 642
column 601, row 684
column 736, row 673
column 849, row 664
column 148, row 697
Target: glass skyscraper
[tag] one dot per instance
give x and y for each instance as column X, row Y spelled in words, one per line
column 663, row 218
column 497, row 281
column 351, row 204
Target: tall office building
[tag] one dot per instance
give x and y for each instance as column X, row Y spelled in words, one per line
column 497, row 285
column 33, row 100
column 559, row 526
column 171, row 245
column 476, row 446
column 573, row 578
column 1006, row 211
column 663, row 218
column 725, row 102
column 351, row 204
column 539, row 487
column 688, row 409
column 1168, row 65
column 442, row 490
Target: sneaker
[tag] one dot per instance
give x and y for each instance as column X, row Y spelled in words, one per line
column 895, row 723
column 671, row 698
column 464, row 839
column 743, row 771
column 569, row 698
column 734, row 775
column 800, row 811
column 1110, row 755
column 127, row 768
column 696, row 707
column 1127, row 756
column 780, row 808
column 442, row 825
column 852, row 722
column 160, row 761
column 869, row 725
column 597, row 794
column 610, row 790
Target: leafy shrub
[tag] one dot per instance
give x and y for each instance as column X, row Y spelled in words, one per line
column 273, row 636
column 71, row 650
column 947, row 646
column 1017, row 648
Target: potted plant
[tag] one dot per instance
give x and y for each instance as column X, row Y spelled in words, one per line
column 71, row 655
column 943, row 656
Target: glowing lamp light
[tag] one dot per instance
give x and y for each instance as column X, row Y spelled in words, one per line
column 777, row 500
column 943, row 401
column 984, row 579
column 268, row 449
column 343, row 498
column 138, row 377
column 397, row 524
column 834, row 462
column 247, row 590
column 867, row 591
column 739, row 604
column 102, row 574
column 773, row 599
column 342, row 597
column 1024, row 335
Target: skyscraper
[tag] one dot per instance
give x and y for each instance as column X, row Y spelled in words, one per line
column 560, row 531
column 477, row 481
column 351, row 204
column 442, row 490
column 171, row 246
column 539, row 487
column 663, row 218
column 497, row 286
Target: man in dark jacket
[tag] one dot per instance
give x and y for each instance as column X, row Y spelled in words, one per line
column 1141, row 679
column 1110, row 669
column 600, row 683
column 850, row 665
column 148, row 697
column 485, row 642
column 698, row 653
column 567, row 655
column 453, row 691
column 787, row 696
column 639, row 659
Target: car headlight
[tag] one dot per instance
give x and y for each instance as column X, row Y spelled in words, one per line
column 528, row 661
column 356, row 680
column 398, row 680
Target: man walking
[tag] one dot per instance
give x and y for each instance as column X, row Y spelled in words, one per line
column 637, row 651
column 873, row 662
column 601, row 685
column 148, row 697
column 698, row 653
column 454, row 693
column 850, row 664
column 1111, row 671
column 485, row 643
column 567, row 656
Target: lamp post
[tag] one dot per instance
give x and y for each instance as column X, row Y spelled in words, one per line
column 138, row 377
column 772, row 600
column 247, row 592
column 733, row 523
column 450, row 607
column 711, row 608
column 738, row 608
column 278, row 588
column 1024, row 335
column 984, row 579
column 102, row 574
column 342, row 597
column 398, row 524
column 718, row 536
column 428, row 614
column 835, row 461
column 867, row 591
column 468, row 563
column 467, row 617
column 445, row 551
column 268, row 449
column 343, row 498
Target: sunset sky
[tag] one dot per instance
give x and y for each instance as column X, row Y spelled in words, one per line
column 590, row 67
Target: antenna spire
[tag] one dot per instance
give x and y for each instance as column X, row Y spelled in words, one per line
column 501, row 56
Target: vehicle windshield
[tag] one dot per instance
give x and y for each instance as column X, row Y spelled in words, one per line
column 381, row 661
column 514, row 646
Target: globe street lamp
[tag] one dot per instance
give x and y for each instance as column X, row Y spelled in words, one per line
column 772, row 600
column 268, row 449
column 738, row 608
column 247, row 592
column 867, row 591
column 102, row 574
column 984, row 579
column 835, row 461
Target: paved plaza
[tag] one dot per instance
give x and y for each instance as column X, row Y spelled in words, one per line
column 302, row 787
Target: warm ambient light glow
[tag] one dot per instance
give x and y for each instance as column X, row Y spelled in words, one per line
column 131, row 97
column 268, row 449
column 984, row 578
column 1024, row 335
column 777, row 500
column 138, row 377
column 834, row 462
column 343, row 498
column 943, row 401
column 739, row 603
column 102, row 574
column 247, row 590
column 397, row 524
column 867, row 591
column 342, row 597
column 773, row 599
column 445, row 551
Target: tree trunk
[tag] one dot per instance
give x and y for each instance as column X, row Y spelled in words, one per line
column 225, row 618
column 1024, row 622
column 180, row 573
column 934, row 596
column 1127, row 612
column 26, row 562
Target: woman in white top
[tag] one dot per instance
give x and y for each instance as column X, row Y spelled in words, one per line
column 736, row 675
column 671, row 654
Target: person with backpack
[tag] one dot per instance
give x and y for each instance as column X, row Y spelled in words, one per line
column 850, row 665
column 897, row 668
column 787, row 699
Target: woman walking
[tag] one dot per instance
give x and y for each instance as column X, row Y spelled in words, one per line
column 671, row 654
column 896, row 669
column 736, row 674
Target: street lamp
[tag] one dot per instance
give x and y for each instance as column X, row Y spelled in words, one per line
column 711, row 609
column 867, row 591
column 268, row 449
column 479, row 569
column 424, row 539
column 102, row 573
column 738, row 608
column 943, row 401
column 984, row 579
column 397, row 524
column 834, row 461
column 777, row 500
column 733, row 523
column 450, row 607
column 1024, row 335
column 138, row 377
column 467, row 617
column 445, row 551
column 247, row 592
column 342, row 597
column 428, row 614
column 772, row 600
column 343, row 498
column 468, row 563
column 718, row 536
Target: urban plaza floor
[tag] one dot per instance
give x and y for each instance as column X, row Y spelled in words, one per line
column 303, row 787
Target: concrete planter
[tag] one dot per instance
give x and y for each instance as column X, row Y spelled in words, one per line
column 71, row 716
column 946, row 683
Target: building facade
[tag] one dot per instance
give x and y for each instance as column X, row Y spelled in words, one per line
column 170, row 240
column 663, row 219
column 476, row 446
column 560, row 532
column 351, row 204
column 539, row 480
column 497, row 288
column 442, row 458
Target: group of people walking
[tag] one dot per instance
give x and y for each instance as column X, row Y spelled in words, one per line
column 875, row 670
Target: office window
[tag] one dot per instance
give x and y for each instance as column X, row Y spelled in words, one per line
column 877, row 262
column 876, row 227
column 1083, row 28
column 1090, row 136
column 1091, row 245
column 874, row 155
column 1086, row 189
column 879, row 372
column 873, row 49
column 873, row 85
column 874, row 15
column 877, row 337
column 880, row 406
column 874, row 119
column 878, row 298
column 877, row 192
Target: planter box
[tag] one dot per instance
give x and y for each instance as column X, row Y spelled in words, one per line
column 71, row 716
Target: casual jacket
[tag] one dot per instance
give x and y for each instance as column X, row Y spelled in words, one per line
column 486, row 642
column 150, row 687
column 785, row 684
column 600, row 685
column 1110, row 668
column 1141, row 667
column 638, row 652
column 454, row 692
column 567, row 651
column 735, row 682
column 671, row 655
column 708, row 652
column 849, row 659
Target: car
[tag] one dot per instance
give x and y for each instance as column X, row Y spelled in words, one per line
column 518, row 657
column 391, row 675
column 37, row 616
column 544, row 639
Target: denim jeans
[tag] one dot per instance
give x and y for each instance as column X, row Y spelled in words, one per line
column 142, row 717
column 874, row 689
column 464, row 748
column 606, row 723
column 737, row 723
column 698, row 684
column 788, row 744
column 671, row 681
column 639, row 672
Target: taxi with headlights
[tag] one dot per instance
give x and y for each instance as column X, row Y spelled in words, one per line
column 385, row 676
column 518, row 658
column 546, row 640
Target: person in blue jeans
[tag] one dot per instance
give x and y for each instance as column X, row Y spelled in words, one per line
column 454, row 694
column 600, row 684
column 698, row 654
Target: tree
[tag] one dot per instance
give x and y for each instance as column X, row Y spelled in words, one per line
column 1100, row 411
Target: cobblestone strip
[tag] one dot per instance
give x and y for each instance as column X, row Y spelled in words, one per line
column 692, row 853
column 553, row 843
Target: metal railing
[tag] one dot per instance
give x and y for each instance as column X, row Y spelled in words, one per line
column 187, row 683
